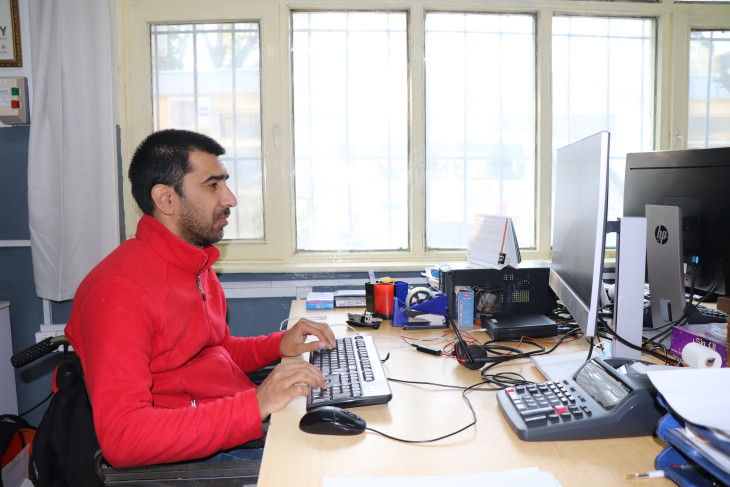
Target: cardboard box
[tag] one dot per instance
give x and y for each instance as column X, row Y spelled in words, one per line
column 711, row 335
column 324, row 300
column 465, row 305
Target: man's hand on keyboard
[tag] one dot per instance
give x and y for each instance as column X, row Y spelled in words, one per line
column 286, row 382
column 295, row 342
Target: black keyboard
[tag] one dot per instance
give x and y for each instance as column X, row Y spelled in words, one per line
column 714, row 315
column 354, row 372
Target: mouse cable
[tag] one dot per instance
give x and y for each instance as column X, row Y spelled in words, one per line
column 503, row 380
column 448, row 435
column 426, row 383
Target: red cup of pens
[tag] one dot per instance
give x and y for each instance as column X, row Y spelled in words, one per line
column 383, row 298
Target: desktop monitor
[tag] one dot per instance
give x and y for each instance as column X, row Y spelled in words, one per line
column 697, row 181
column 579, row 228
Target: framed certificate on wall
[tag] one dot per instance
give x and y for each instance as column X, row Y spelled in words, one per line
column 10, row 53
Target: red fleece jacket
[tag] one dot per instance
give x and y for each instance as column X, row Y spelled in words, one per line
column 166, row 379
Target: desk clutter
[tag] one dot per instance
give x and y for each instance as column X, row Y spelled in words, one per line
column 603, row 397
column 695, row 427
column 611, row 398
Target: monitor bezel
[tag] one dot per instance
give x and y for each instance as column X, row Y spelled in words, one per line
column 594, row 150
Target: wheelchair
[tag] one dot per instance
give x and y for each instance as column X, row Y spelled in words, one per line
column 66, row 453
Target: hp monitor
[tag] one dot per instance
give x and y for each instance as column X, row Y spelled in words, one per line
column 697, row 181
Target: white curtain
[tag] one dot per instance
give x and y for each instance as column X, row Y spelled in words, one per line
column 72, row 157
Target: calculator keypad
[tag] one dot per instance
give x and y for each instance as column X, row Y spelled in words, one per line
column 548, row 402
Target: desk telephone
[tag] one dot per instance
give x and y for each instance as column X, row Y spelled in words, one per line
column 605, row 398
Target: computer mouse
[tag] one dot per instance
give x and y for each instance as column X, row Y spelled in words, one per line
column 331, row 420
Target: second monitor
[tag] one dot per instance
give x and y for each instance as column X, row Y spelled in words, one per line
column 698, row 182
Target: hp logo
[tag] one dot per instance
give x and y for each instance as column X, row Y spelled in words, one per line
column 661, row 234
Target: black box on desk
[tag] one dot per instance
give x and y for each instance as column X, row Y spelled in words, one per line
column 520, row 291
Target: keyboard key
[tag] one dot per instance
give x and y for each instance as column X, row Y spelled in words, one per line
column 533, row 421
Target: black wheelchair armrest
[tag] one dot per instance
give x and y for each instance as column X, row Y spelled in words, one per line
column 258, row 376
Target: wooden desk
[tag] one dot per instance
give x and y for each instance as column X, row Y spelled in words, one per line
column 294, row 458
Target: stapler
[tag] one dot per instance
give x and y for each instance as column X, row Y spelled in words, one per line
column 365, row 319
column 425, row 312
column 430, row 320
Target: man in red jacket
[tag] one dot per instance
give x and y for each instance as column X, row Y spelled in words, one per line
column 166, row 379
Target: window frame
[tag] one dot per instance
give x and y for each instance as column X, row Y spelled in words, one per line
column 689, row 19
column 277, row 253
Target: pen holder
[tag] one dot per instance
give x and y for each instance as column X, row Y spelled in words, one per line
column 379, row 299
column 370, row 297
column 384, row 300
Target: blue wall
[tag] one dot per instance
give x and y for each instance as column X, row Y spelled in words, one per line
column 16, row 268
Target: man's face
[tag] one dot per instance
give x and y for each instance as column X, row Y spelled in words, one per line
column 205, row 201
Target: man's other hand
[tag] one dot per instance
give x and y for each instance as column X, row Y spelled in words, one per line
column 286, row 382
column 294, row 342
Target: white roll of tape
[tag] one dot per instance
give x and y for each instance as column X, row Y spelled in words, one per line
column 699, row 356
column 418, row 292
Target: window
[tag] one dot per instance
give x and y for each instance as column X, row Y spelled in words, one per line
column 350, row 89
column 709, row 89
column 480, row 124
column 370, row 137
column 206, row 77
column 603, row 79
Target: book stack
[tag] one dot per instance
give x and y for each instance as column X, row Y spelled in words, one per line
column 320, row 300
column 696, row 428
column 350, row 298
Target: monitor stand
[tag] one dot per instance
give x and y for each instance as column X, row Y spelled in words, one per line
column 664, row 263
column 628, row 307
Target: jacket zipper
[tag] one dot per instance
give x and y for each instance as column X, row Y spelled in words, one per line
column 205, row 312
column 200, row 288
column 205, row 304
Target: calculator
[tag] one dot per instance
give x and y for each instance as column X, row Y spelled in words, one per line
column 605, row 398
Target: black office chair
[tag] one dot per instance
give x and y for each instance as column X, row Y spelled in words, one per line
column 66, row 452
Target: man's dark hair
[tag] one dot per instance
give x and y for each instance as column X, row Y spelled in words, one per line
column 162, row 158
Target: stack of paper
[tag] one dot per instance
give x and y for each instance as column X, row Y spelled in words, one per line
column 699, row 425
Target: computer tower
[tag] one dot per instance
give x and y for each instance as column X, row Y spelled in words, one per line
column 520, row 291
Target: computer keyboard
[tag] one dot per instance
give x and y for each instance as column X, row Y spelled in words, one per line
column 354, row 372
column 713, row 315
column 698, row 315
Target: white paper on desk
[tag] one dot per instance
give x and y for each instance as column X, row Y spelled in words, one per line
column 507, row 478
column 559, row 366
column 700, row 396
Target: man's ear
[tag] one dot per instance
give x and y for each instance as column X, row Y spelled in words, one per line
column 164, row 197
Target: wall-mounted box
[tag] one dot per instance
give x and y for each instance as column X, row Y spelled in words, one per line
column 14, row 100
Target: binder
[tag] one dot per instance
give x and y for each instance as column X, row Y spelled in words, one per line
column 695, row 456
column 493, row 242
